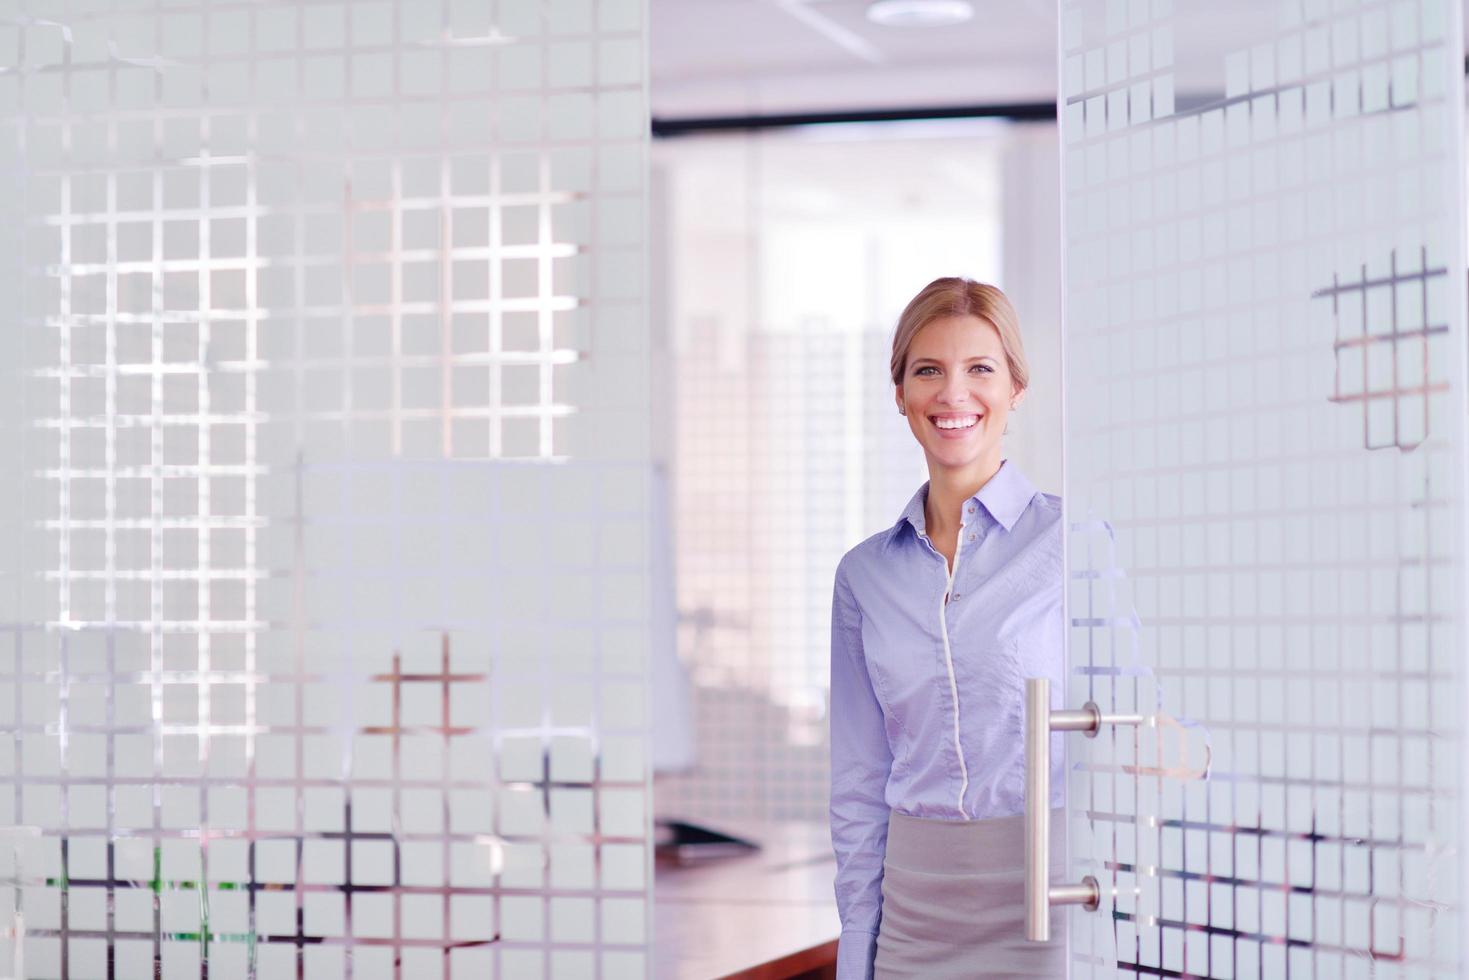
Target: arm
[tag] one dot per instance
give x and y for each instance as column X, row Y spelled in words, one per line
column 860, row 763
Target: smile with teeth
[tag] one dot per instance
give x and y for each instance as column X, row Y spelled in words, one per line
column 960, row 422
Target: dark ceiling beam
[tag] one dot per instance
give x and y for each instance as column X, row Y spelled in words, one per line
column 1013, row 111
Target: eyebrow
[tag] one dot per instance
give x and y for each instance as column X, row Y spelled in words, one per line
column 934, row 360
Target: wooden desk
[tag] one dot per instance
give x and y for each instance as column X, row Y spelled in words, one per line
column 761, row 916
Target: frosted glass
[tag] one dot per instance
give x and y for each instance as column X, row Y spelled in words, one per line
column 303, row 380
column 1264, row 440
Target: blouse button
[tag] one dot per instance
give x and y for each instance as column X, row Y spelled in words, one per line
column 957, row 597
column 971, row 537
column 971, row 508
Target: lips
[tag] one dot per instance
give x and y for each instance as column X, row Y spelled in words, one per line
column 955, row 423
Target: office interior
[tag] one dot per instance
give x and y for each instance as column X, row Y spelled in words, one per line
column 433, row 429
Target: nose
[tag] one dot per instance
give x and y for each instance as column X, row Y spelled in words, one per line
column 955, row 390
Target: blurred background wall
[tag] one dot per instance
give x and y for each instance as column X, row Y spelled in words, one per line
column 784, row 256
column 789, row 256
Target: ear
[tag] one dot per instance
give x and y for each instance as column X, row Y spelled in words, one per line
column 1019, row 397
column 898, row 396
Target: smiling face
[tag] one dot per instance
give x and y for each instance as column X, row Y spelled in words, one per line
column 957, row 392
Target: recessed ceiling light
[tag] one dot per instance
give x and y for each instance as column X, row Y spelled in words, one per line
column 919, row 13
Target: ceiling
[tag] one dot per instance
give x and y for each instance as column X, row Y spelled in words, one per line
column 759, row 57
column 756, row 57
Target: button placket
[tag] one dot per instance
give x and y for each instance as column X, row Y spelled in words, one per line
column 963, row 528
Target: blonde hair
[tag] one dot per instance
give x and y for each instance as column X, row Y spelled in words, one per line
column 957, row 296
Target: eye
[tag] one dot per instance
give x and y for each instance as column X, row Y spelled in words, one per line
column 924, row 369
column 983, row 367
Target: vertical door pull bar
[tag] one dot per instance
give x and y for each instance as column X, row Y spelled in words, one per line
column 1040, row 722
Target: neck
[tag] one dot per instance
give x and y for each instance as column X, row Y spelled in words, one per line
column 949, row 488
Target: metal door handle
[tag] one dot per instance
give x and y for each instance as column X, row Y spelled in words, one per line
column 1040, row 722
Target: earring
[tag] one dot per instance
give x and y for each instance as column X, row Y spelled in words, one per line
column 902, row 410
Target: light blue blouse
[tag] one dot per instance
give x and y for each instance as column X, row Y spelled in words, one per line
column 928, row 696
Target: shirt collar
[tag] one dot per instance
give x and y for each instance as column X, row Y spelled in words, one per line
column 1005, row 497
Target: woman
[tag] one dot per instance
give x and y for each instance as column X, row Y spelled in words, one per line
column 936, row 622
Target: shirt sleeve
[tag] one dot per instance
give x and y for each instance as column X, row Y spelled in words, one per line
column 861, row 761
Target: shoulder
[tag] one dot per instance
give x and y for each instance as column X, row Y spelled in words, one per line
column 863, row 558
column 1047, row 506
column 1041, row 521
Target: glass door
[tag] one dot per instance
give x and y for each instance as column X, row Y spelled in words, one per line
column 326, row 583
column 1265, row 464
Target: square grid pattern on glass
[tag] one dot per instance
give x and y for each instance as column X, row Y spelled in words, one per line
column 1264, row 414
column 1382, row 364
column 262, row 256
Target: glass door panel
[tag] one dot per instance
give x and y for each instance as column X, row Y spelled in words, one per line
column 326, row 505
column 1265, row 474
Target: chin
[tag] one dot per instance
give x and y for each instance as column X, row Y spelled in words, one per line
column 957, row 461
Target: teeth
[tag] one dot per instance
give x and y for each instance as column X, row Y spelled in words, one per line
column 963, row 423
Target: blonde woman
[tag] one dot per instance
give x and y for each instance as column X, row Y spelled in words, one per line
column 936, row 622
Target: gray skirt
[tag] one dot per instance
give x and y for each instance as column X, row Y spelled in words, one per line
column 953, row 901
